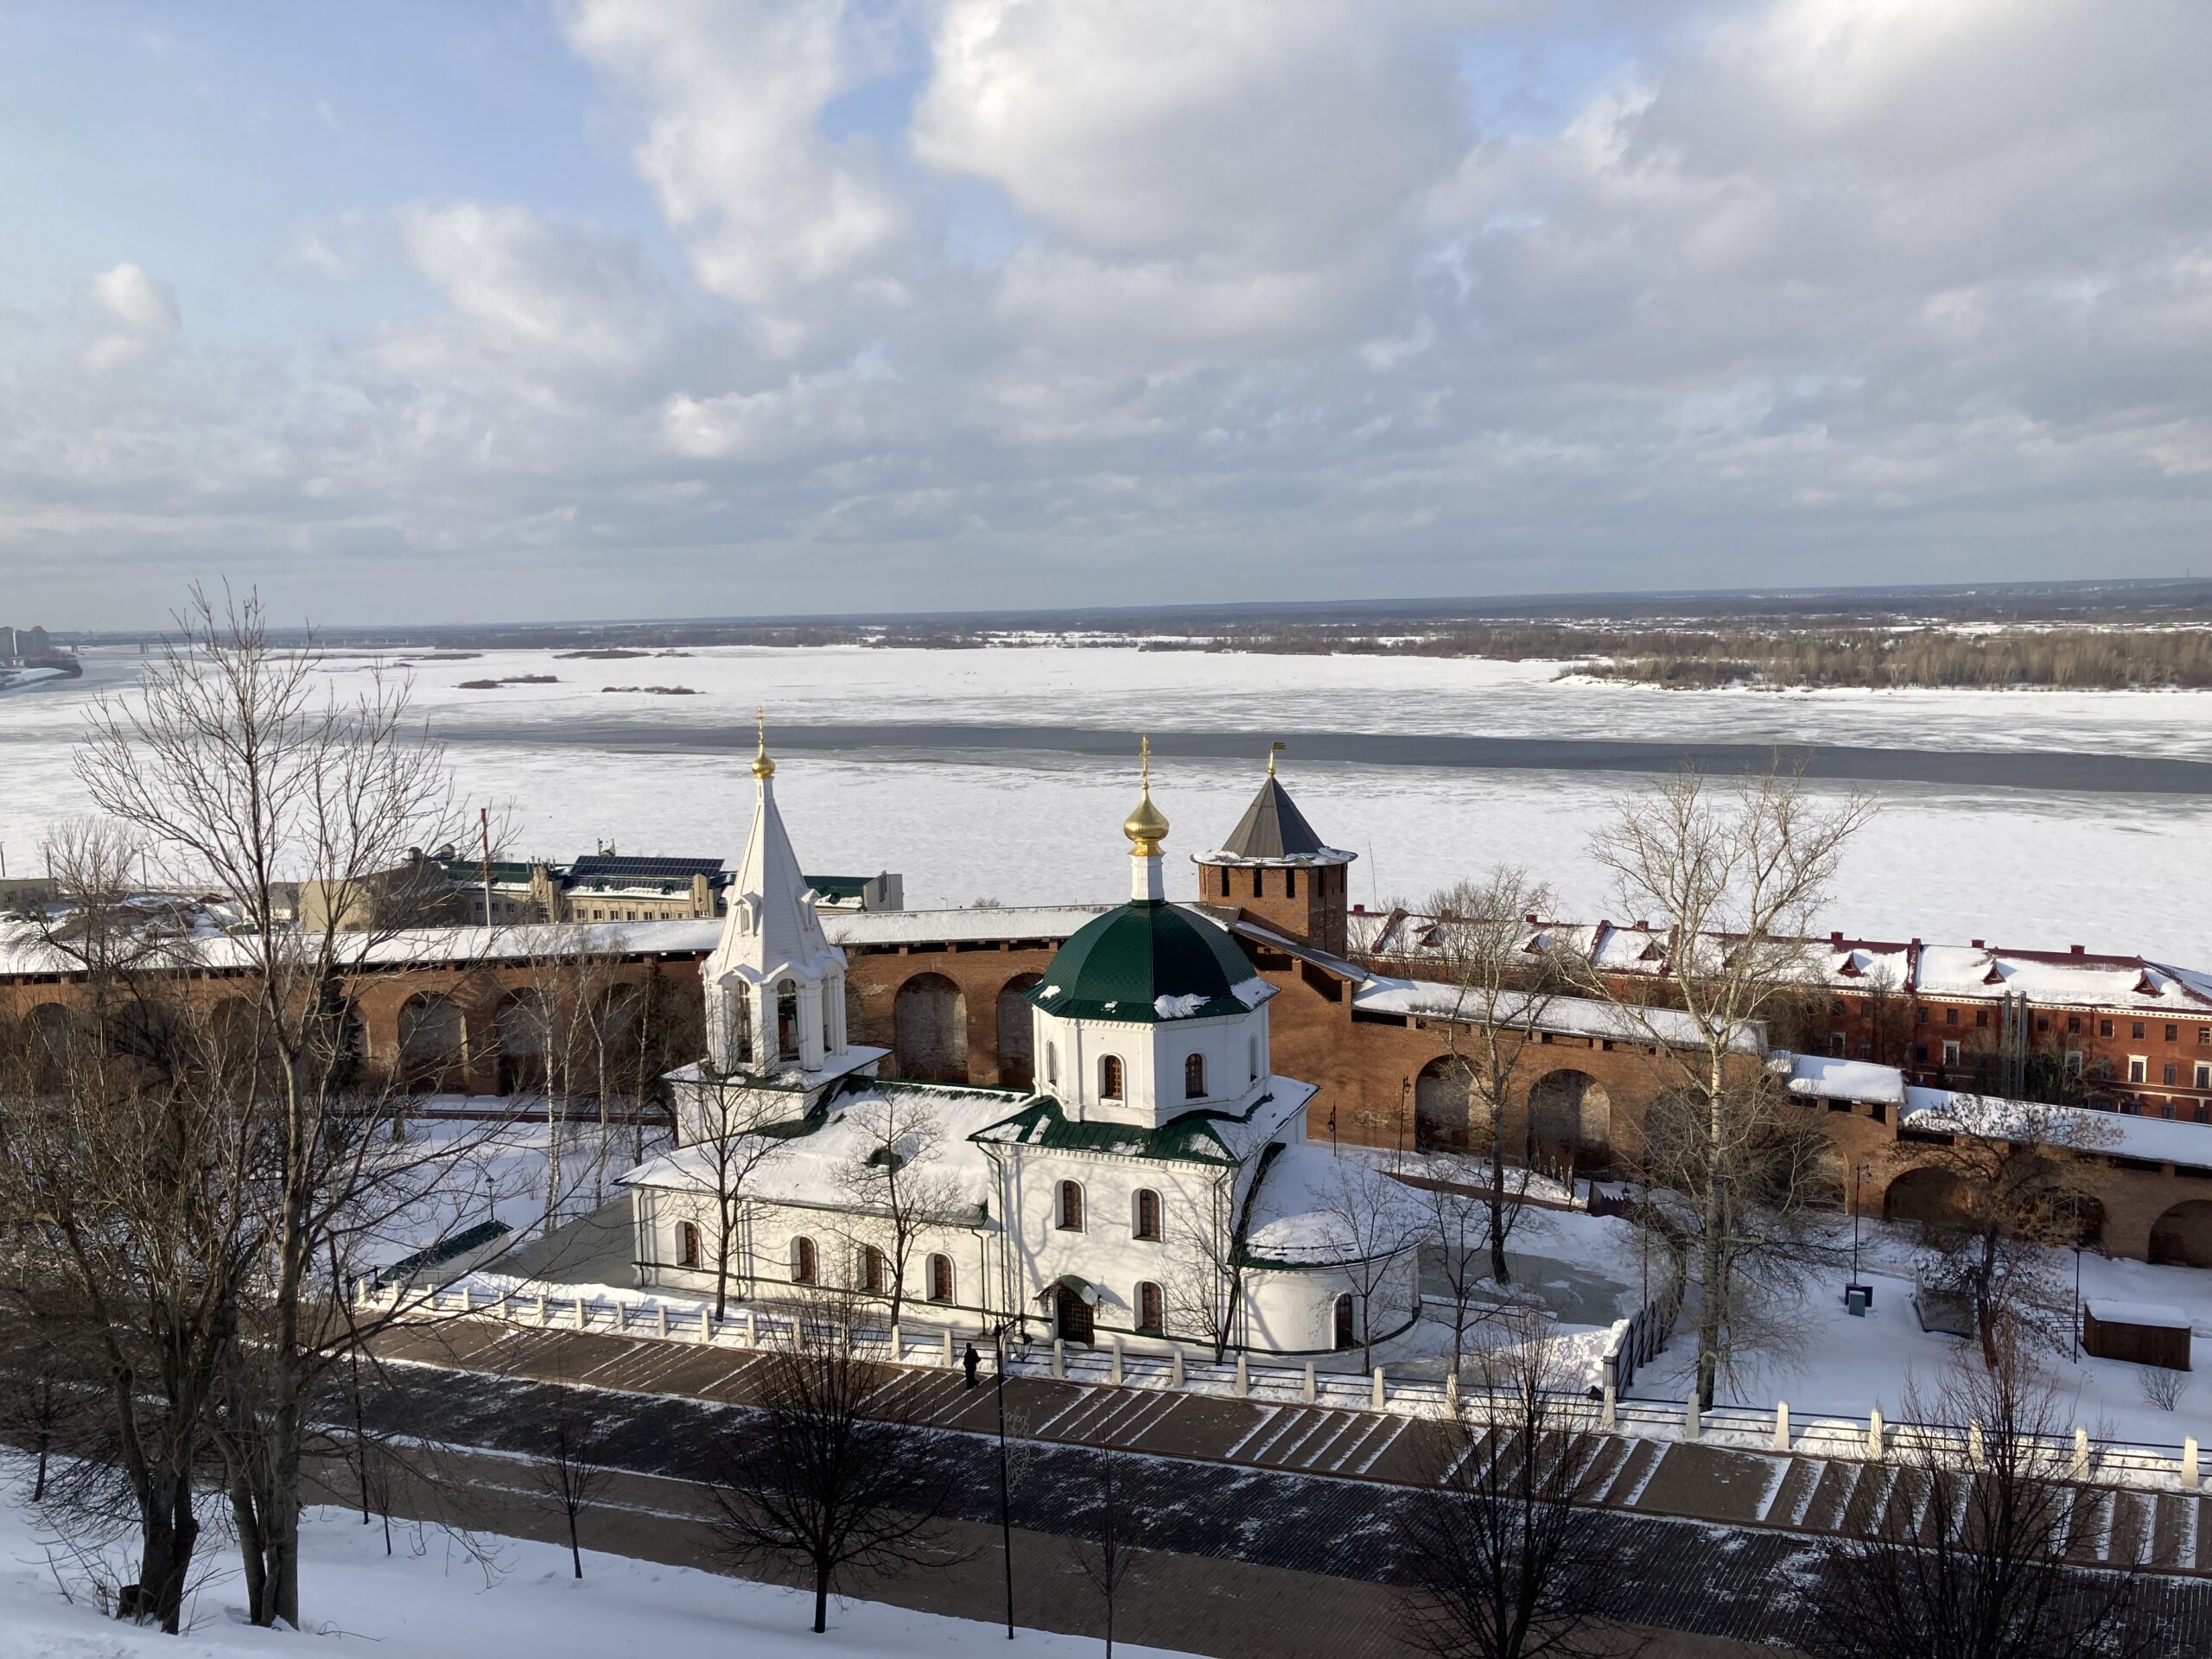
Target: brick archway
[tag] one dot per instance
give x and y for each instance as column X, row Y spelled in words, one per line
column 1016, row 1029
column 1570, row 1110
column 1926, row 1195
column 1445, row 1116
column 2182, row 1236
column 928, row 1022
column 433, row 1045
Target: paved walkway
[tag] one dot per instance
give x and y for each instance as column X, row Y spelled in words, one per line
column 1799, row 1494
column 1225, row 1608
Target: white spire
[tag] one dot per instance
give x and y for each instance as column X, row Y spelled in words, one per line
column 771, row 935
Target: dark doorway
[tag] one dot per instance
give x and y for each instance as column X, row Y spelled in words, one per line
column 1345, row 1336
column 1072, row 1315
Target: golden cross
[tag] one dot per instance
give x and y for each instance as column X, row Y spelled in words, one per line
column 1144, row 749
column 1273, row 749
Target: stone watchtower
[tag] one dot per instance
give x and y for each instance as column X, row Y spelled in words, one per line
column 1276, row 871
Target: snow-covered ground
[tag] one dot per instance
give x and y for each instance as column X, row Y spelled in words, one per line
column 468, row 1173
column 1850, row 1365
column 431, row 1599
column 1042, row 826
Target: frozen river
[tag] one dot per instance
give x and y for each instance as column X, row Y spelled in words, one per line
column 2029, row 818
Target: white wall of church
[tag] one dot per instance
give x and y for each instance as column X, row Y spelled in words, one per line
column 1070, row 1056
column 1294, row 1310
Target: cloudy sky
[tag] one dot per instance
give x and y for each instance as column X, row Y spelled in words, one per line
column 610, row 308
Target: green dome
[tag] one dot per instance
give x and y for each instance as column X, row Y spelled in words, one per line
column 1145, row 963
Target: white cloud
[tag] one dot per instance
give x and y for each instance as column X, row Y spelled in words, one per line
column 144, row 313
column 1265, row 304
column 1238, row 169
column 732, row 96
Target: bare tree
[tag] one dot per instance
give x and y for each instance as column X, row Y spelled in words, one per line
column 1969, row 1557
column 1504, row 1556
column 824, row 1474
column 896, row 1190
column 1105, row 1554
column 1372, row 1224
column 1205, row 1279
column 1735, row 875
column 729, row 1132
column 569, row 1469
column 1496, row 988
column 2014, row 1191
column 1458, row 1226
column 127, row 1194
column 241, row 775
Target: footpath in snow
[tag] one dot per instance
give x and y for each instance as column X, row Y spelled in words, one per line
column 432, row 1599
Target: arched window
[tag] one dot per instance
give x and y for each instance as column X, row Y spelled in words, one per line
column 737, row 1007
column 940, row 1278
column 803, row 1266
column 1051, row 1065
column 687, row 1244
column 1146, row 1222
column 1252, row 1058
column 1152, row 1311
column 875, row 1271
column 829, row 989
column 787, row 1021
column 1290, row 881
column 1110, row 1077
column 1343, row 1335
column 1194, row 1077
column 1070, row 1207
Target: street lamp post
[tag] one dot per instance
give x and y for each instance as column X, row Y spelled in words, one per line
column 1006, row 1508
column 2077, row 1296
column 1857, row 1174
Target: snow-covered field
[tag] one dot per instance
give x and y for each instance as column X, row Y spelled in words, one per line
column 1042, row 826
column 431, row 1599
column 1848, row 1366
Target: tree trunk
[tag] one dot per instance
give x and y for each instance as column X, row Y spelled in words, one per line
column 1497, row 1268
column 820, row 1597
column 1709, row 1308
column 251, row 1549
column 169, row 1531
column 575, row 1550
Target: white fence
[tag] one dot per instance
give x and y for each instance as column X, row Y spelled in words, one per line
column 2167, row 1468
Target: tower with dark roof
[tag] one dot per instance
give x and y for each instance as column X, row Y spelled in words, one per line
column 1278, row 872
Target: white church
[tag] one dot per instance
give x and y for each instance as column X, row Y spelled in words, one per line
column 1156, row 1189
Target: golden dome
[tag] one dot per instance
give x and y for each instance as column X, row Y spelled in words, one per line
column 1147, row 827
column 762, row 766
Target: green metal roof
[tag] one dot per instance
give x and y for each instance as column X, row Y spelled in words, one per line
column 838, row 887
column 1120, row 965
column 1189, row 1139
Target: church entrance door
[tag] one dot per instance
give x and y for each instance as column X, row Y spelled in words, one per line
column 1071, row 1316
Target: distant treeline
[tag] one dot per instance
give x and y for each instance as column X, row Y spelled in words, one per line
column 2076, row 659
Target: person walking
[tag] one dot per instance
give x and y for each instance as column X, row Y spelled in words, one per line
column 969, row 1363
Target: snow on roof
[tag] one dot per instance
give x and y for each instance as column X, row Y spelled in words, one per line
column 1817, row 1076
column 22, row 951
column 2155, row 1139
column 2164, row 1315
column 2051, row 976
column 1967, row 972
column 1300, row 1213
column 865, row 927
column 813, row 1168
column 1574, row 1016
